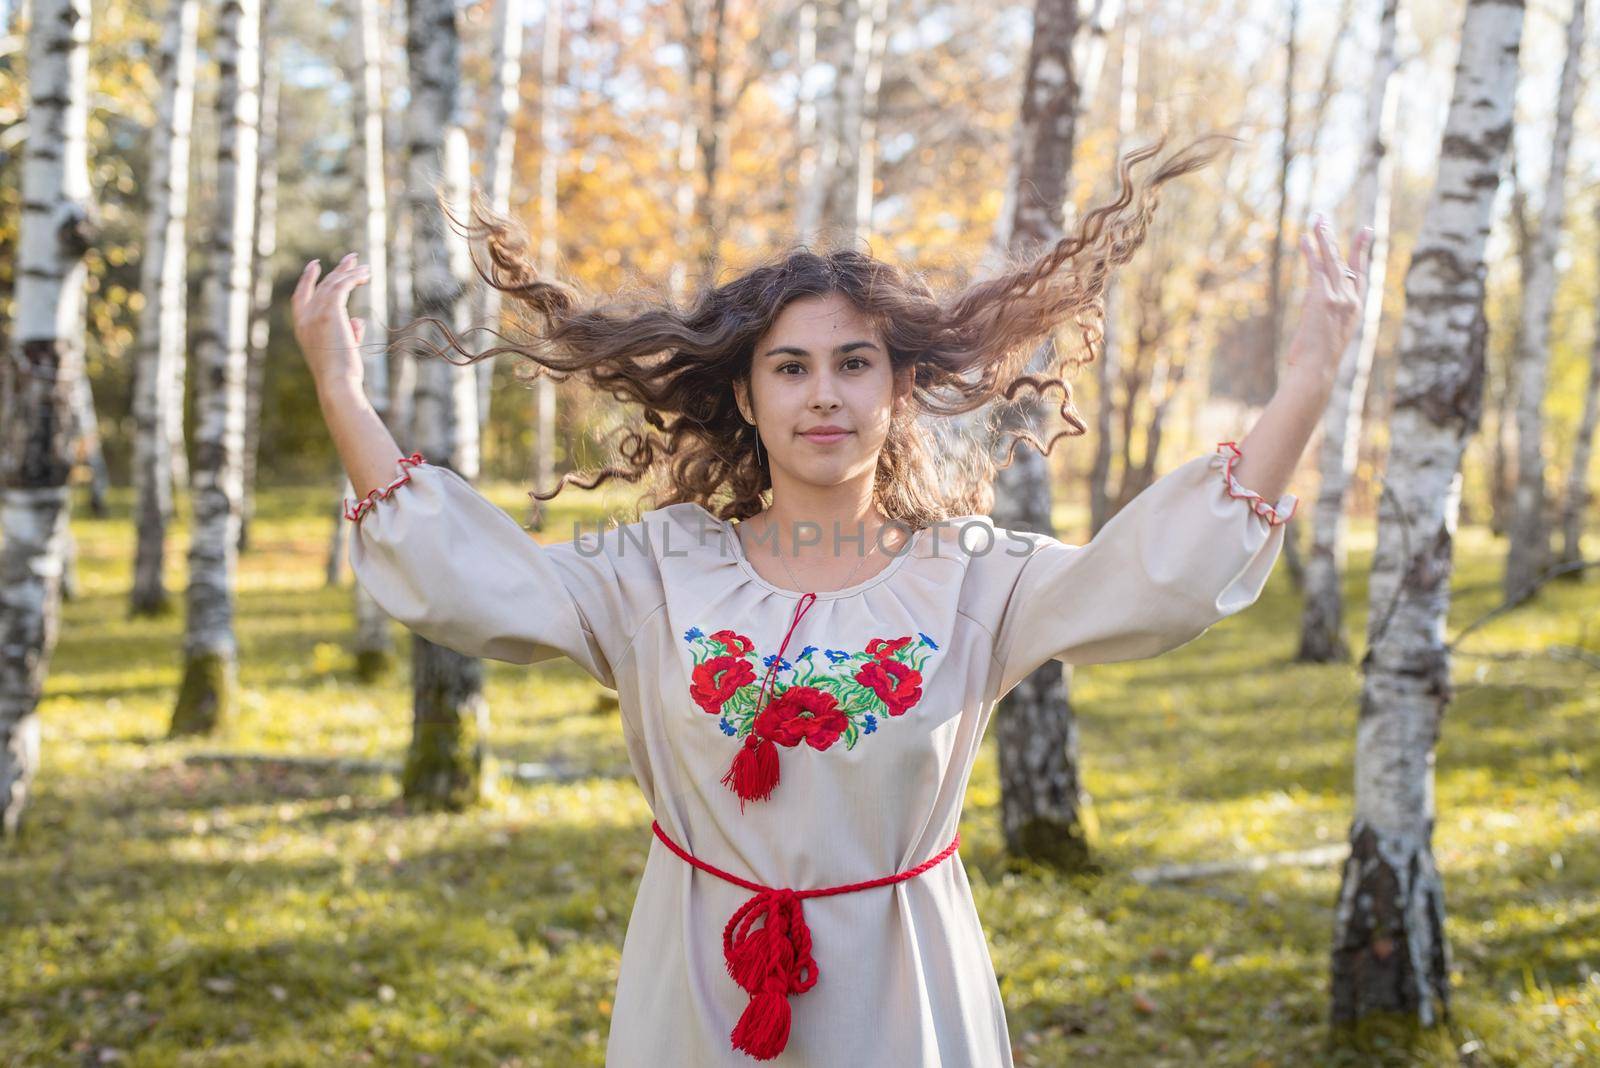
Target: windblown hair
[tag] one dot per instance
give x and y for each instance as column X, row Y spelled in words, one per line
column 971, row 349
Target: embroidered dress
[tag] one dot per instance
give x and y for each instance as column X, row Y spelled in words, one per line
column 873, row 700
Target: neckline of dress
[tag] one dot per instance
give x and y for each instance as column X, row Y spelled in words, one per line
column 755, row 576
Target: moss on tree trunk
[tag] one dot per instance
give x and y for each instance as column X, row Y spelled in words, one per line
column 205, row 698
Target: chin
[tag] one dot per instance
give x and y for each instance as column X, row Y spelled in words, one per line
column 832, row 474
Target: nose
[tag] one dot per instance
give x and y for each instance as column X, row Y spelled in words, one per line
column 824, row 398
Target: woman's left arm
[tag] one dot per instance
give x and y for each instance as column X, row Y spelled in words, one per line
column 1335, row 296
column 1192, row 548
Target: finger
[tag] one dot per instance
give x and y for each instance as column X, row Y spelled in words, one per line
column 340, row 269
column 345, row 266
column 1313, row 261
column 1333, row 265
column 338, row 288
column 307, row 282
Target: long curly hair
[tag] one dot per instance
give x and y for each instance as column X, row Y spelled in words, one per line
column 964, row 351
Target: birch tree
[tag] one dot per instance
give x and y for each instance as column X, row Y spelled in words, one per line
column 402, row 365
column 544, row 388
column 37, row 382
column 500, row 144
column 1578, row 497
column 210, row 648
column 374, row 648
column 444, row 764
column 808, row 148
column 1390, row 953
column 162, row 332
column 1041, row 795
column 1529, row 550
column 1322, row 615
column 1105, row 368
column 264, row 247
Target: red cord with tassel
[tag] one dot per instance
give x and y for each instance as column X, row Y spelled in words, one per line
column 754, row 772
column 773, row 961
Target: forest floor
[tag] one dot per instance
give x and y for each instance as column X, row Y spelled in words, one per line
column 162, row 912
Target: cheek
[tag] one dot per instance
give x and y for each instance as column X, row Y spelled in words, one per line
column 874, row 408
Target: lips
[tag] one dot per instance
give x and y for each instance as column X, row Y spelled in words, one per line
column 825, row 436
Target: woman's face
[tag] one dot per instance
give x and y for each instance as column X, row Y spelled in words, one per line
column 821, row 365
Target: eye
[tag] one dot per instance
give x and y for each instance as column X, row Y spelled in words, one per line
column 857, row 359
column 784, row 367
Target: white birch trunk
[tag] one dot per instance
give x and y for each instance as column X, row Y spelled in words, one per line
column 872, row 37
column 210, row 650
column 1041, row 795
column 266, row 246
column 1390, row 952
column 444, row 763
column 807, row 150
column 1529, row 551
column 1578, row 496
column 374, row 648
column 1322, row 617
column 402, row 364
column 819, row 217
column 86, row 434
column 1105, row 368
column 37, row 381
column 500, row 144
column 162, row 280
column 544, row 390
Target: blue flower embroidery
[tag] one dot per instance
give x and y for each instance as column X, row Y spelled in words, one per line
column 871, row 724
column 927, row 640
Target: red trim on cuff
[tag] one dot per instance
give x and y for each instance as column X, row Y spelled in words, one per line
column 354, row 510
column 1258, row 503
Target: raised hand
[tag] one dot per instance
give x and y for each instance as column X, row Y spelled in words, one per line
column 328, row 337
column 1335, row 297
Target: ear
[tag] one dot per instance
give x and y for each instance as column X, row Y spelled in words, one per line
column 905, row 382
column 741, row 399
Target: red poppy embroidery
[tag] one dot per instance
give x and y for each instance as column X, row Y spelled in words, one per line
column 718, row 679
column 820, row 697
column 896, row 685
column 883, row 648
column 803, row 714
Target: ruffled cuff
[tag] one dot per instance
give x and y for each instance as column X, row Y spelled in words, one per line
column 355, row 509
column 1275, row 514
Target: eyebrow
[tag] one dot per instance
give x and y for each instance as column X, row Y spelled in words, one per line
column 791, row 350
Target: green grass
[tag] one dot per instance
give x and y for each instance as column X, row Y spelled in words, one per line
column 183, row 915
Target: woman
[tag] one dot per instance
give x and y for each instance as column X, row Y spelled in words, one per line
column 805, row 678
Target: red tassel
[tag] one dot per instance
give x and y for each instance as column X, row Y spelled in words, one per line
column 754, row 773
column 771, row 961
column 753, row 958
column 763, row 1028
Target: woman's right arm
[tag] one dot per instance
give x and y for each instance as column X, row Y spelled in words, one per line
column 435, row 554
column 330, row 341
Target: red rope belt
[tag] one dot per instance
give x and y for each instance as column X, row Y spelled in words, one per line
column 774, row 961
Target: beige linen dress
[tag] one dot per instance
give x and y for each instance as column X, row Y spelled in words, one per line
column 902, row 670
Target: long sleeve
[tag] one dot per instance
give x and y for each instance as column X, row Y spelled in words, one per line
column 450, row 565
column 1193, row 548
